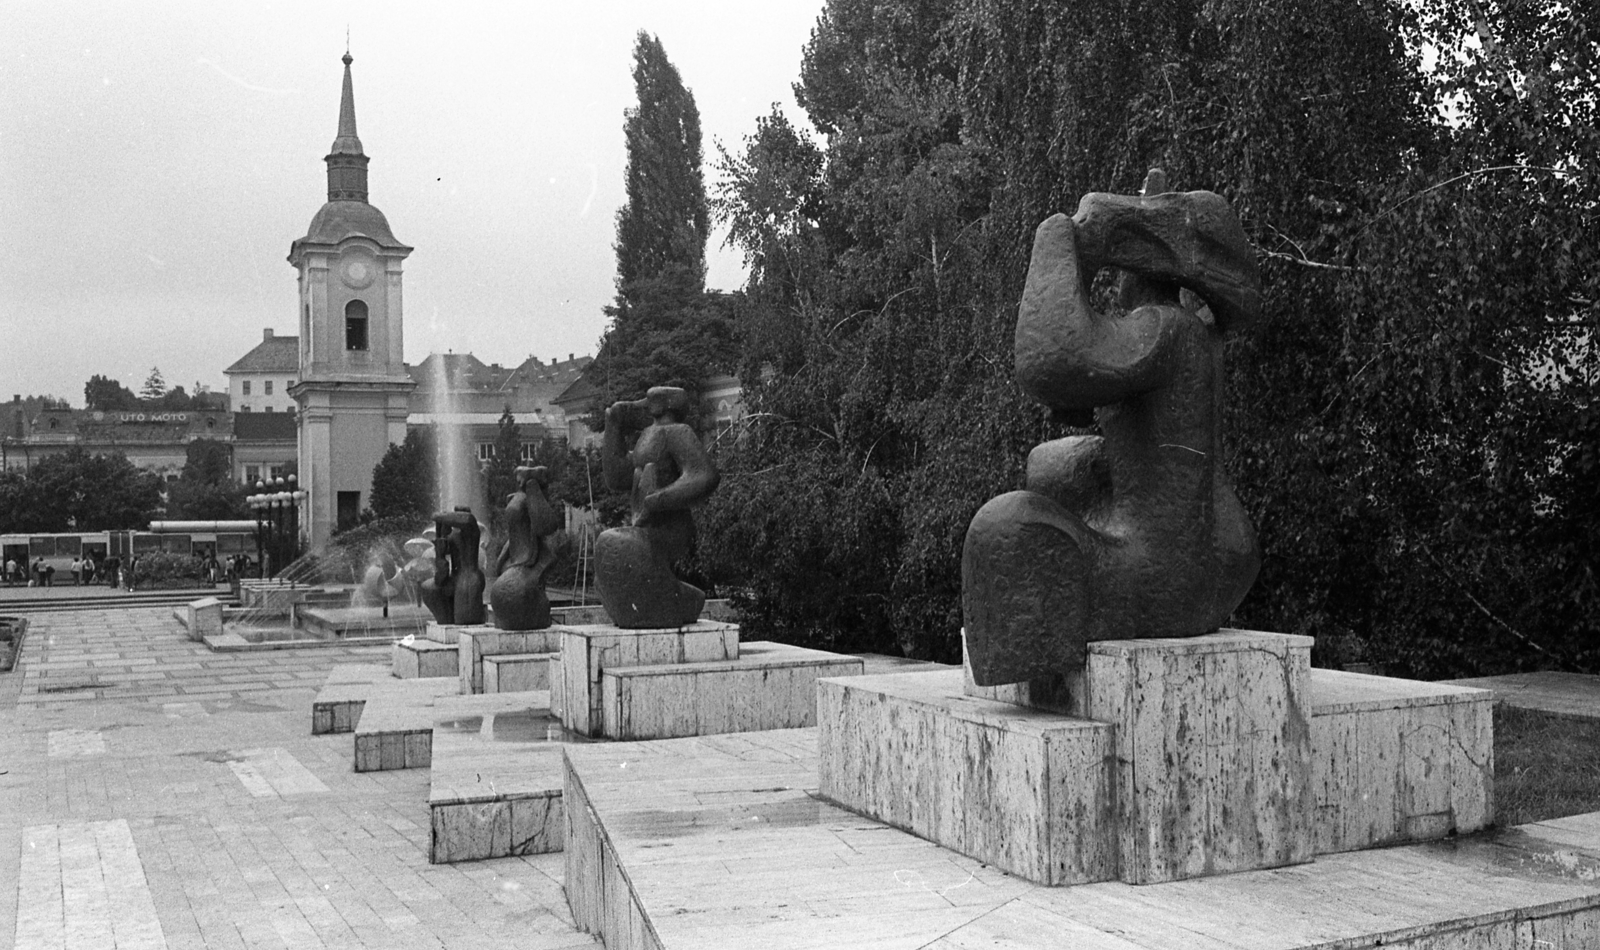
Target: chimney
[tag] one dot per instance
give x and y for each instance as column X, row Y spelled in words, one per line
column 266, row 335
column 569, row 357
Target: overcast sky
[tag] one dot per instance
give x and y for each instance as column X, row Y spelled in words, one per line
column 157, row 159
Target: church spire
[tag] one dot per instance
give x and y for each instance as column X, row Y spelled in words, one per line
column 347, row 165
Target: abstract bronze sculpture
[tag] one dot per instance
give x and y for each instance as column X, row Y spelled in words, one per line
column 1134, row 533
column 517, row 594
column 667, row 471
column 455, row 594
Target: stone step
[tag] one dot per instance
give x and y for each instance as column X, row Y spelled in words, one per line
column 396, row 727
column 517, row 672
column 769, row 686
column 496, row 791
column 721, row 843
column 475, row 643
column 338, row 706
column 417, row 659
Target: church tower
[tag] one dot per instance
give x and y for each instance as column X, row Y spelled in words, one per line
column 353, row 393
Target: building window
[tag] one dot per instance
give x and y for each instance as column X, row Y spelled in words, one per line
column 245, row 408
column 252, row 474
column 526, row 452
column 355, row 325
column 276, row 472
column 267, row 409
column 247, row 387
column 269, row 387
column 486, row 451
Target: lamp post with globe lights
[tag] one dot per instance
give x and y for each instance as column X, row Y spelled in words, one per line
column 276, row 506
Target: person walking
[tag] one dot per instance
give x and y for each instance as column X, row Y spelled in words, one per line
column 77, row 571
column 11, row 571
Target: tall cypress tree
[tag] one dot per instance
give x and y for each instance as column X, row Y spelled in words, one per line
column 665, row 329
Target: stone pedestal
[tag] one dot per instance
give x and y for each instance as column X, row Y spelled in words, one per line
column 1194, row 758
column 417, row 659
column 1212, row 740
column 517, row 672
column 589, row 649
column 1021, row 789
column 204, row 618
column 479, row 641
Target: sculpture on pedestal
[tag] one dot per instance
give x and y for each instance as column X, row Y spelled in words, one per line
column 1134, row 533
column 667, row 471
column 455, row 593
column 517, row 594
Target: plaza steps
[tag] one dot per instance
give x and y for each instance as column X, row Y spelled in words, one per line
column 118, row 601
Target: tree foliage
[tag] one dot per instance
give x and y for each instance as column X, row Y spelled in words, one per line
column 107, row 395
column 405, row 480
column 206, row 489
column 1411, row 426
column 74, row 490
column 155, row 386
column 665, row 329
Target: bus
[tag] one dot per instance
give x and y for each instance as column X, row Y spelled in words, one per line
column 58, row 549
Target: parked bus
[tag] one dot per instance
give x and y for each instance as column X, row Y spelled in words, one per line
column 59, row 549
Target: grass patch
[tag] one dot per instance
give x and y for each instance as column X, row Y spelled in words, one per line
column 1545, row 766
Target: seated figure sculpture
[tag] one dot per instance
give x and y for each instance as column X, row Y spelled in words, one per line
column 1134, row 533
column 455, row 593
column 667, row 471
column 517, row 594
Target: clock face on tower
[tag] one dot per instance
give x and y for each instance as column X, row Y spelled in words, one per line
column 357, row 272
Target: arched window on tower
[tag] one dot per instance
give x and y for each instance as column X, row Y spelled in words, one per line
column 355, row 325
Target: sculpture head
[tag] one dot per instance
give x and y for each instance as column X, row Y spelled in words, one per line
column 537, row 474
column 667, row 403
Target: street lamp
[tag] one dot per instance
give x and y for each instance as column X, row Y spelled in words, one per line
column 277, row 522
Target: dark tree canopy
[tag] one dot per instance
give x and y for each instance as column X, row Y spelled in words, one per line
column 74, row 490
column 665, row 329
column 108, row 395
column 206, row 490
column 1412, row 424
column 405, row 480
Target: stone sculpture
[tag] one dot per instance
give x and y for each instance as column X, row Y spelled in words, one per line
column 517, row 594
column 455, row 594
column 667, row 471
column 1134, row 533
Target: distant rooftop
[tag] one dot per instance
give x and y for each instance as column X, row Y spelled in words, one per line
column 274, row 354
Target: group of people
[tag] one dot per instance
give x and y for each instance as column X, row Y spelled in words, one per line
column 112, row 571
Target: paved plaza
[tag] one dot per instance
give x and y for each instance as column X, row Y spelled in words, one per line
column 156, row 795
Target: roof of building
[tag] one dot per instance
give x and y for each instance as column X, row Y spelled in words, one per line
column 337, row 220
column 280, row 354
column 264, row 427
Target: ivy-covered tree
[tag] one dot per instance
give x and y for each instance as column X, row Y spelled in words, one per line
column 405, row 480
column 665, row 329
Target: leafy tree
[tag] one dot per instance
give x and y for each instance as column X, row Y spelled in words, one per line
column 107, row 395
column 75, row 490
column 206, row 490
column 404, row 482
column 155, row 386
column 665, row 329
column 175, row 400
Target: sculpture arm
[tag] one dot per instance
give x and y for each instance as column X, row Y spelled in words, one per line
column 1069, row 357
column 697, row 478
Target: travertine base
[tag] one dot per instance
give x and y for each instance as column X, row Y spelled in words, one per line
column 770, row 686
column 516, row 672
column 1398, row 760
column 1213, row 751
column 450, row 632
column 477, row 642
column 587, row 650
column 204, row 619
column 420, row 659
column 1194, row 759
column 1024, row 790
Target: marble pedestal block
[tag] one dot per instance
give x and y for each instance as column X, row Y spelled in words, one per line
column 770, row 686
column 418, row 659
column 1021, row 789
column 1212, row 751
column 588, row 649
column 1194, row 758
column 517, row 672
column 204, row 619
column 477, row 642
